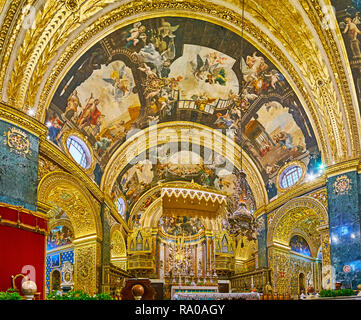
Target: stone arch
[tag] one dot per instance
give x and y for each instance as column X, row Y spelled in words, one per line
column 65, row 191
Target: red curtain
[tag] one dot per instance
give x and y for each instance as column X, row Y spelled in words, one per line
column 21, row 251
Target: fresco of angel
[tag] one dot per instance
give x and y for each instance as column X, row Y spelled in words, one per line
column 225, row 120
column 252, row 67
column 151, row 55
column 274, row 76
column 120, row 82
column 200, row 67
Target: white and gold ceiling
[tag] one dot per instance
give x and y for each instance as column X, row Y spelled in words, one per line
column 98, row 69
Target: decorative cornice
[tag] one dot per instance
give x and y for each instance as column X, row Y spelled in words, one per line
column 22, row 120
column 298, row 191
column 343, row 167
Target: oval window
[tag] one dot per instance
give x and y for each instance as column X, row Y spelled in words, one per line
column 121, row 206
column 79, row 151
column 290, row 176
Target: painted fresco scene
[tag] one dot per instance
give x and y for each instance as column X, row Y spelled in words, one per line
column 206, row 168
column 58, row 237
column 181, row 225
column 180, row 69
column 300, row 245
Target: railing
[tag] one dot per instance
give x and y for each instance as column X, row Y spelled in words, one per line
column 248, row 281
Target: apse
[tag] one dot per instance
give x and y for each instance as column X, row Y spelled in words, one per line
column 179, row 150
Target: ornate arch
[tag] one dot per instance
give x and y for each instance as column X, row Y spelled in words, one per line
column 304, row 213
column 118, row 247
column 182, row 131
column 65, row 191
column 320, row 81
column 245, row 252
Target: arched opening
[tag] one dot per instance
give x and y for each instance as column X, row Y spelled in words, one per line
column 72, row 204
column 55, row 280
column 301, row 284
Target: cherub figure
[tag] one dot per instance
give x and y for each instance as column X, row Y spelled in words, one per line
column 134, row 33
column 274, row 77
column 120, row 83
column 351, row 29
column 166, row 29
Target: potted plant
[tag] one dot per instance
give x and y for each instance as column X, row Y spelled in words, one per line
column 10, row 294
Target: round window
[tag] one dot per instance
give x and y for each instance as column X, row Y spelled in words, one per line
column 79, row 151
column 290, row 176
column 121, row 206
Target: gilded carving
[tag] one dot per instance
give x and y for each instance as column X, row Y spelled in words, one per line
column 86, row 262
column 342, row 185
column 66, row 192
column 18, row 142
column 46, row 166
column 302, row 207
column 118, row 248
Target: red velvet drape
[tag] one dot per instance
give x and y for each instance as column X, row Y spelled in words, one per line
column 21, row 251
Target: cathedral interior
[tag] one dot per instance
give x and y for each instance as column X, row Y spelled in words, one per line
column 167, row 149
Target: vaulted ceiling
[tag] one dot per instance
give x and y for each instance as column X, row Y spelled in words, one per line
column 178, row 63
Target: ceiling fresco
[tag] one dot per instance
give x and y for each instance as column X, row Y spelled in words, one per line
column 180, row 69
column 348, row 15
column 200, row 165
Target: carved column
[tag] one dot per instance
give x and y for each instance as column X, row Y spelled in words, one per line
column 87, row 264
column 105, row 250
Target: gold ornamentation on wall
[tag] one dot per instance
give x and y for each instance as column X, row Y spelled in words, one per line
column 288, row 216
column 342, row 185
column 65, row 191
column 87, row 260
column 46, row 166
column 18, row 142
column 320, row 195
column 117, row 245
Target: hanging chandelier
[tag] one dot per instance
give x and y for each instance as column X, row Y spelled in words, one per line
column 239, row 220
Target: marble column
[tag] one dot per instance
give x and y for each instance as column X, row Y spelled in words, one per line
column 262, row 242
column 19, row 151
column 343, row 196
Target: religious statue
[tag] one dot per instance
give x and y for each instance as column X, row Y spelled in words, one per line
column 268, row 288
column 309, row 280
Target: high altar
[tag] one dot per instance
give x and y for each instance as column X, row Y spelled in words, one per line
column 180, row 240
column 189, row 146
